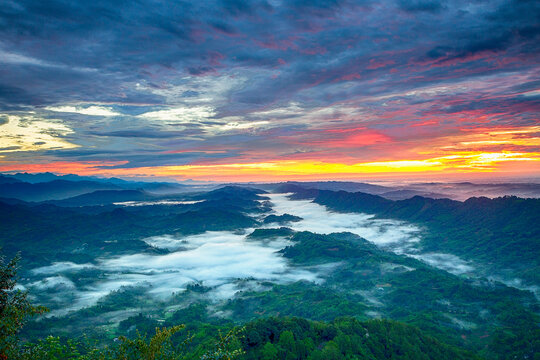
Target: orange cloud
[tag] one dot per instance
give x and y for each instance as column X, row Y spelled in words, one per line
column 354, row 138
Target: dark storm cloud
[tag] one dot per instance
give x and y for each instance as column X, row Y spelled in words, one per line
column 97, row 49
column 422, row 5
column 512, row 23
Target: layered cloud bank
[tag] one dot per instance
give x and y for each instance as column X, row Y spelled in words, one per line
column 257, row 90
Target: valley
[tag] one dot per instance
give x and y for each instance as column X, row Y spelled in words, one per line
column 263, row 254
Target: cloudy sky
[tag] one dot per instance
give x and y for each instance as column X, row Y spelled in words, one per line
column 271, row 90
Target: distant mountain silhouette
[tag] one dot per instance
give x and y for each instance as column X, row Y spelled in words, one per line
column 8, row 180
column 52, row 190
column 104, row 197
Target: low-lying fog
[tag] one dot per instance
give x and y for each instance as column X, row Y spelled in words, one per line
column 398, row 190
column 317, row 219
column 226, row 262
column 397, row 236
column 218, row 260
column 157, row 202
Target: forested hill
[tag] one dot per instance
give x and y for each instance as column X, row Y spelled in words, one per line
column 504, row 231
column 346, row 338
column 45, row 232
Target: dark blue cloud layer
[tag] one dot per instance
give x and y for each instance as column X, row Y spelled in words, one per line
column 87, row 50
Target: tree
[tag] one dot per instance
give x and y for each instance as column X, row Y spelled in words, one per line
column 14, row 308
column 269, row 352
column 158, row 347
column 227, row 347
column 287, row 345
column 331, row 351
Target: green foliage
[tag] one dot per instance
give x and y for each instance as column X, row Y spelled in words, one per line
column 345, row 338
column 298, row 299
column 502, row 231
column 48, row 233
column 269, row 233
column 161, row 346
column 281, row 219
column 312, row 248
column 226, row 347
column 367, row 281
column 14, row 308
column 158, row 347
column 519, row 338
column 53, row 348
column 141, row 323
column 358, row 280
column 269, row 352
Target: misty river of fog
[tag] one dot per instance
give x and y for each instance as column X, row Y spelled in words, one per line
column 397, row 236
column 317, row 219
column 227, row 262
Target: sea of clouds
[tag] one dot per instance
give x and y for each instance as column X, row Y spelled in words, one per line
column 316, row 218
column 219, row 260
column 227, row 262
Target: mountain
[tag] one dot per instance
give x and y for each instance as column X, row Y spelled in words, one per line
column 342, row 200
column 158, row 187
column 227, row 192
column 211, row 219
column 320, row 185
column 404, row 194
column 502, row 232
column 343, row 185
column 281, row 219
column 310, row 248
column 52, row 190
column 43, row 177
column 456, row 191
column 47, row 232
column 8, row 180
column 105, row 197
column 109, row 270
column 464, row 190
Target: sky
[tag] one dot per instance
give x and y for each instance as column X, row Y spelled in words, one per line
column 230, row 90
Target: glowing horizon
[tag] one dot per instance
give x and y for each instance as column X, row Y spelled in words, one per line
column 462, row 164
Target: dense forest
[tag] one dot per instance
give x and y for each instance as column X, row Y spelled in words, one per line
column 503, row 232
column 112, row 276
column 270, row 338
